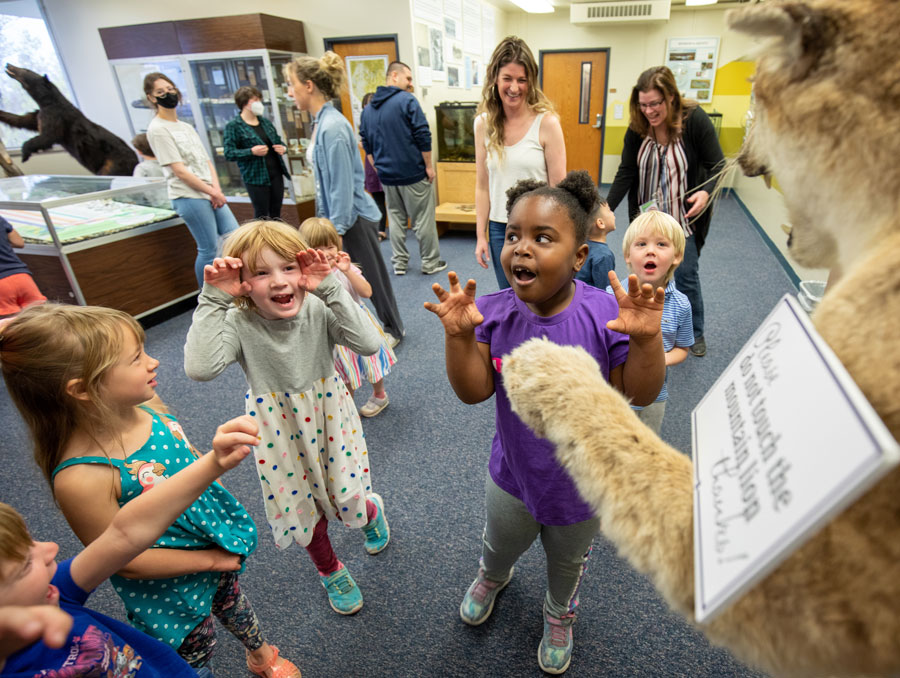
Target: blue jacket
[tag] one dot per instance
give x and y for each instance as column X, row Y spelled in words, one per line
column 340, row 192
column 394, row 131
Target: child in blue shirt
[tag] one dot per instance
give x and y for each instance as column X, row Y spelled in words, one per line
column 653, row 249
column 97, row 644
column 600, row 259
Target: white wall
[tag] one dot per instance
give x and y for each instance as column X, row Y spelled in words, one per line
column 632, row 49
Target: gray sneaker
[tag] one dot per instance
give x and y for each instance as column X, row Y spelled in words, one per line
column 438, row 267
column 478, row 603
column 555, row 650
column 399, row 270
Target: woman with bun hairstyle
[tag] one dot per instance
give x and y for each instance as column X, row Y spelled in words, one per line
column 190, row 176
column 340, row 180
column 517, row 136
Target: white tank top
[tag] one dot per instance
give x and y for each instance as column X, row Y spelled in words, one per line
column 524, row 160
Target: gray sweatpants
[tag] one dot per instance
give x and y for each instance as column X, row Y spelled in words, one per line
column 652, row 415
column 509, row 531
column 416, row 203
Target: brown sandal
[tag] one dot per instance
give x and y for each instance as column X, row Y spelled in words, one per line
column 269, row 670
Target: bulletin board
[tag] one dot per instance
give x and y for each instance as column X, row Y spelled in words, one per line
column 454, row 41
column 693, row 61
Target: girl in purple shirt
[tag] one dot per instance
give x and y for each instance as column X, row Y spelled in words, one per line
column 527, row 492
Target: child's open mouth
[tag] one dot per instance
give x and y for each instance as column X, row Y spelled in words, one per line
column 650, row 266
column 283, row 299
column 523, row 275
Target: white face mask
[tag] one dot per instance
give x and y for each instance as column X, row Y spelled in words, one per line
column 257, row 108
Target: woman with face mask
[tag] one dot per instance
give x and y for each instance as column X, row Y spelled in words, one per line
column 253, row 143
column 190, row 176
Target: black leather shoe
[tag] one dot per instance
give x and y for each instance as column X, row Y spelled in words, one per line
column 699, row 347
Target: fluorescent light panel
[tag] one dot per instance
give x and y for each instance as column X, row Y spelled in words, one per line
column 534, row 6
column 694, row 3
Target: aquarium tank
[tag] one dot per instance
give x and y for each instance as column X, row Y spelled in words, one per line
column 455, row 122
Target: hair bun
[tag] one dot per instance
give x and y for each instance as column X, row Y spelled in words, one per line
column 579, row 184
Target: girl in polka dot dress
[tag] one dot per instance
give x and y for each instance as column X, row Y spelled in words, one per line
column 273, row 306
column 102, row 438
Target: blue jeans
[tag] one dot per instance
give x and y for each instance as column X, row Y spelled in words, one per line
column 497, row 236
column 687, row 280
column 205, row 672
column 207, row 225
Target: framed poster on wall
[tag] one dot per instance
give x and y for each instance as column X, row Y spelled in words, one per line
column 693, row 61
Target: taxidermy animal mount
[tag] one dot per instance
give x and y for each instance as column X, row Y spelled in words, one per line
column 58, row 121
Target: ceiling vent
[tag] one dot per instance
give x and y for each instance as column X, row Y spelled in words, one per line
column 628, row 11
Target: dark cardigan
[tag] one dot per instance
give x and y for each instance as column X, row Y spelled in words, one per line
column 704, row 159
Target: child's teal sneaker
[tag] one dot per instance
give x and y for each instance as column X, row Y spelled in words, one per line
column 555, row 651
column 377, row 531
column 343, row 593
column 478, row 603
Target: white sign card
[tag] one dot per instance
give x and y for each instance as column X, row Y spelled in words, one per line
column 488, row 40
column 782, row 442
column 472, row 26
column 428, row 10
column 693, row 61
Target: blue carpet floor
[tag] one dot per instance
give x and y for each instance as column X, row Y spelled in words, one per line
column 429, row 457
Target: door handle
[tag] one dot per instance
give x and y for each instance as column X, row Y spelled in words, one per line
column 599, row 123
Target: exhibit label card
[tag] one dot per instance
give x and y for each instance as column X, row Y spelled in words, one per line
column 782, row 442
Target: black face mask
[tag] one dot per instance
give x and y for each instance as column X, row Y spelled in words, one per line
column 168, row 100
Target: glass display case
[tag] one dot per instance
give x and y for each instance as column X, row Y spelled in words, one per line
column 208, row 83
column 109, row 241
column 455, row 125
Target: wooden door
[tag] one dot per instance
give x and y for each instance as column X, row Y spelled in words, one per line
column 575, row 81
column 372, row 46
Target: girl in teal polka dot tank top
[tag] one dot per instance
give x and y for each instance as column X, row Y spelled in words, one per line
column 102, row 438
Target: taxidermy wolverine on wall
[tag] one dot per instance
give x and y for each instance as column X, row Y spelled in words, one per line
column 57, row 121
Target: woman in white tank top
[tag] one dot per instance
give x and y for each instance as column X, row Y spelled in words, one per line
column 517, row 136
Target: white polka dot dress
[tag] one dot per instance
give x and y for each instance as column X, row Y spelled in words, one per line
column 311, row 460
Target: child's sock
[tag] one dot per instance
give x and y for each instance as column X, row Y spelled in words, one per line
column 320, row 550
column 371, row 511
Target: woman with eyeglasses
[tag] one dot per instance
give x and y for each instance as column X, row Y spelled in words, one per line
column 670, row 162
column 191, row 179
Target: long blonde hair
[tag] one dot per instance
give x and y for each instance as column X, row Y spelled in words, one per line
column 511, row 50
column 326, row 73
column 320, row 232
column 41, row 351
column 249, row 240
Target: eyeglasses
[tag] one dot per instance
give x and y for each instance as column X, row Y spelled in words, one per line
column 650, row 105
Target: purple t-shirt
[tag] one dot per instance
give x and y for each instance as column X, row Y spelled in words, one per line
column 521, row 463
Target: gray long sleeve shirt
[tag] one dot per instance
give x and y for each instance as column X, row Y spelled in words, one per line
column 285, row 355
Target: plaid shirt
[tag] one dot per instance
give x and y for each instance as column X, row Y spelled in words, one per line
column 239, row 139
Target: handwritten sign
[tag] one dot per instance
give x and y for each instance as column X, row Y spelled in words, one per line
column 782, row 442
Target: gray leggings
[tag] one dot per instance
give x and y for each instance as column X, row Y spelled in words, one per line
column 509, row 531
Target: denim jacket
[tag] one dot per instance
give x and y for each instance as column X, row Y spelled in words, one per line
column 340, row 192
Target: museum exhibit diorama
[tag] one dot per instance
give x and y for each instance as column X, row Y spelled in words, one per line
column 208, row 60
column 106, row 241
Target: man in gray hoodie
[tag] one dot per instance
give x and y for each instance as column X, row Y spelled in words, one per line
column 397, row 140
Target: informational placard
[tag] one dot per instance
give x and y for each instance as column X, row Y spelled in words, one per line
column 693, row 62
column 782, row 442
column 428, row 10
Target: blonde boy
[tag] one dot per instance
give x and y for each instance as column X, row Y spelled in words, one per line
column 600, row 259
column 653, row 249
